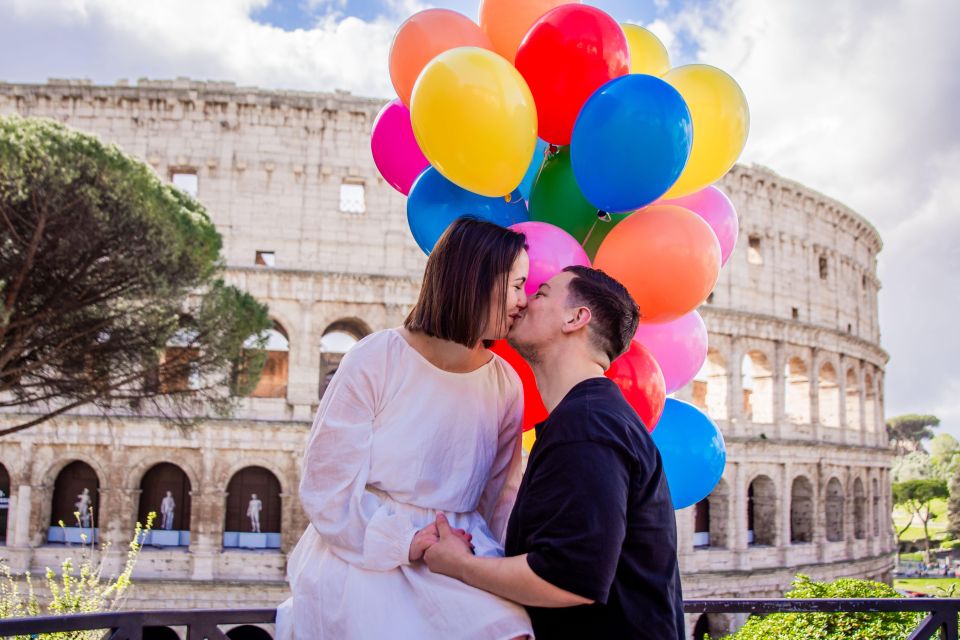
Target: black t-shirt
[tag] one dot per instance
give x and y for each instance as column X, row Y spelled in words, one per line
column 594, row 516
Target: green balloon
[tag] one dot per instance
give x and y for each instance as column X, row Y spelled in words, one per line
column 556, row 198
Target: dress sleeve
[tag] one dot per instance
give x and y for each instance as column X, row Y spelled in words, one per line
column 498, row 496
column 360, row 526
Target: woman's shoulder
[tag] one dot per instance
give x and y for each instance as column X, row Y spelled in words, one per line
column 374, row 347
column 507, row 374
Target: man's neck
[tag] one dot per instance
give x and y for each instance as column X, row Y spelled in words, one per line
column 559, row 371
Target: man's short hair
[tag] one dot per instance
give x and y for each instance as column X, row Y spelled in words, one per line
column 615, row 313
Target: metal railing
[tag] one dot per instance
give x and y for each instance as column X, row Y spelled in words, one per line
column 204, row 624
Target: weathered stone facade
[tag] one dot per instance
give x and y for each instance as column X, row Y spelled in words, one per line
column 794, row 376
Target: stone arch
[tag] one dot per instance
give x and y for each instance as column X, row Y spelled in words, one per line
column 160, row 480
column 223, row 479
column 762, row 512
column 801, row 511
column 859, row 510
column 710, row 386
column 834, row 504
column 757, row 384
column 796, row 381
column 851, row 400
column 703, row 626
column 76, row 483
column 276, row 368
column 5, row 486
column 249, row 485
column 870, row 403
column 828, row 395
column 875, row 500
column 144, row 463
column 248, row 632
column 335, row 342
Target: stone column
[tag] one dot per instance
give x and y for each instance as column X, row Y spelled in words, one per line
column 206, row 531
column 303, row 386
column 849, row 512
column 735, row 388
column 779, row 388
column 815, row 357
column 738, row 517
column 862, row 399
column 786, row 503
column 819, row 513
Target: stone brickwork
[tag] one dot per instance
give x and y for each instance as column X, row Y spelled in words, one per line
column 794, row 376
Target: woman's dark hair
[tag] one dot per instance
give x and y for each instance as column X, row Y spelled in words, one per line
column 615, row 313
column 470, row 261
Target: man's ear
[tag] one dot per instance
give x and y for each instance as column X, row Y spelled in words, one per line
column 579, row 319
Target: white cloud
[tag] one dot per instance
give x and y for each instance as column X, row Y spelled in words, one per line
column 856, row 99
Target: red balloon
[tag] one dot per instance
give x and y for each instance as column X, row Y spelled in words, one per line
column 567, row 54
column 533, row 409
column 640, row 379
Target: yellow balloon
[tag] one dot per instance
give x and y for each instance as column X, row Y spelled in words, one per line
column 721, row 120
column 475, row 120
column 529, row 437
column 647, row 53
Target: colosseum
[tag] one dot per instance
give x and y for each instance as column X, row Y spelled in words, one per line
column 794, row 376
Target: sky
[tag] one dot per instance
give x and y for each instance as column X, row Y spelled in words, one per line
column 854, row 98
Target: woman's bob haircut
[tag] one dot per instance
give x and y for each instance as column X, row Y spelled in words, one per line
column 470, row 262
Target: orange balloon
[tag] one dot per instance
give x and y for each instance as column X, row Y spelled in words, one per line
column 666, row 256
column 424, row 36
column 506, row 22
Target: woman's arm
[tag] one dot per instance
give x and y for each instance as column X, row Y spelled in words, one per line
column 498, row 496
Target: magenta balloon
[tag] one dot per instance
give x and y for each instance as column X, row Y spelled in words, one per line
column 395, row 150
column 715, row 207
column 679, row 346
column 551, row 249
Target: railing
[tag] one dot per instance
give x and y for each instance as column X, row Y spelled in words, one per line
column 203, row 624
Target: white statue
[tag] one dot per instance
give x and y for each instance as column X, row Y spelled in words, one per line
column 167, row 505
column 83, row 507
column 254, row 508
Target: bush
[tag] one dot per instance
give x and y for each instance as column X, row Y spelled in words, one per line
column 832, row 626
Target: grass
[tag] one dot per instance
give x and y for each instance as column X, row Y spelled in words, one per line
column 932, row 586
column 937, row 526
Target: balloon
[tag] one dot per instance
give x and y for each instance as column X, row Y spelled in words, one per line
column 567, row 54
column 526, row 185
column 721, row 120
column 556, row 198
column 647, row 53
column 551, row 249
column 666, row 256
column 505, row 22
column 639, row 377
column 435, row 202
column 424, row 36
column 715, row 207
column 475, row 120
column 680, row 347
column 693, row 452
column 533, row 409
column 630, row 143
column 395, row 150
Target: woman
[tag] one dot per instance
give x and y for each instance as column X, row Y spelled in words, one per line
column 416, row 420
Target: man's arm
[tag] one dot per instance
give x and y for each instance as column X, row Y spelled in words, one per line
column 510, row 578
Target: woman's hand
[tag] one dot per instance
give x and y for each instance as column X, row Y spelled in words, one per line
column 429, row 536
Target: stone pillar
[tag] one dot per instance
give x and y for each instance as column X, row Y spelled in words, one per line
column 819, row 513
column 862, row 399
column 779, row 388
column 786, row 503
column 735, row 388
column 815, row 358
column 848, row 511
column 206, row 531
column 303, row 385
column 20, row 512
column 738, row 516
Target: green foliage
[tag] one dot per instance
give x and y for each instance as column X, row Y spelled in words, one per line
column 908, row 432
column 78, row 588
column 832, row 626
column 915, row 465
column 953, row 504
column 102, row 267
column 943, row 448
column 917, row 497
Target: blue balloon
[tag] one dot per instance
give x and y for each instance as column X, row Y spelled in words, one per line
column 630, row 142
column 526, row 185
column 692, row 450
column 435, row 202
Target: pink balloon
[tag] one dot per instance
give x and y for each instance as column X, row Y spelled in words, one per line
column 395, row 150
column 679, row 346
column 551, row 249
column 715, row 207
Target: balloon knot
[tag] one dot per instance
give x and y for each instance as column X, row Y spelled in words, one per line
column 603, row 215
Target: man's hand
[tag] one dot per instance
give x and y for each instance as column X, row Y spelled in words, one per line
column 446, row 555
column 429, row 535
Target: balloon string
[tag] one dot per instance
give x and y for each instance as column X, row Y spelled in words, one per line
column 590, row 233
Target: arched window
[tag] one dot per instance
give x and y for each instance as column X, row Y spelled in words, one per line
column 859, row 510
column 851, row 401
column 248, row 632
column 276, row 366
column 834, row 510
column 253, row 510
column 797, row 391
column 710, row 386
column 703, row 627
column 75, row 491
column 762, row 512
column 829, row 396
column 4, row 502
column 801, row 511
column 701, row 523
column 338, row 338
column 178, row 371
column 165, row 490
column 757, row 379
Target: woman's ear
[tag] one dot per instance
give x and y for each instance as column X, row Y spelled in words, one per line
column 580, row 318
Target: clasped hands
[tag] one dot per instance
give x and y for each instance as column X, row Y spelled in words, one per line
column 441, row 546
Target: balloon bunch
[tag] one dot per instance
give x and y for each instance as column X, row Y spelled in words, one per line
column 550, row 117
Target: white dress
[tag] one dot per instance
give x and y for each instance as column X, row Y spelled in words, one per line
column 396, row 439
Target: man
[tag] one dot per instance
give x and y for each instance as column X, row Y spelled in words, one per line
column 591, row 544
